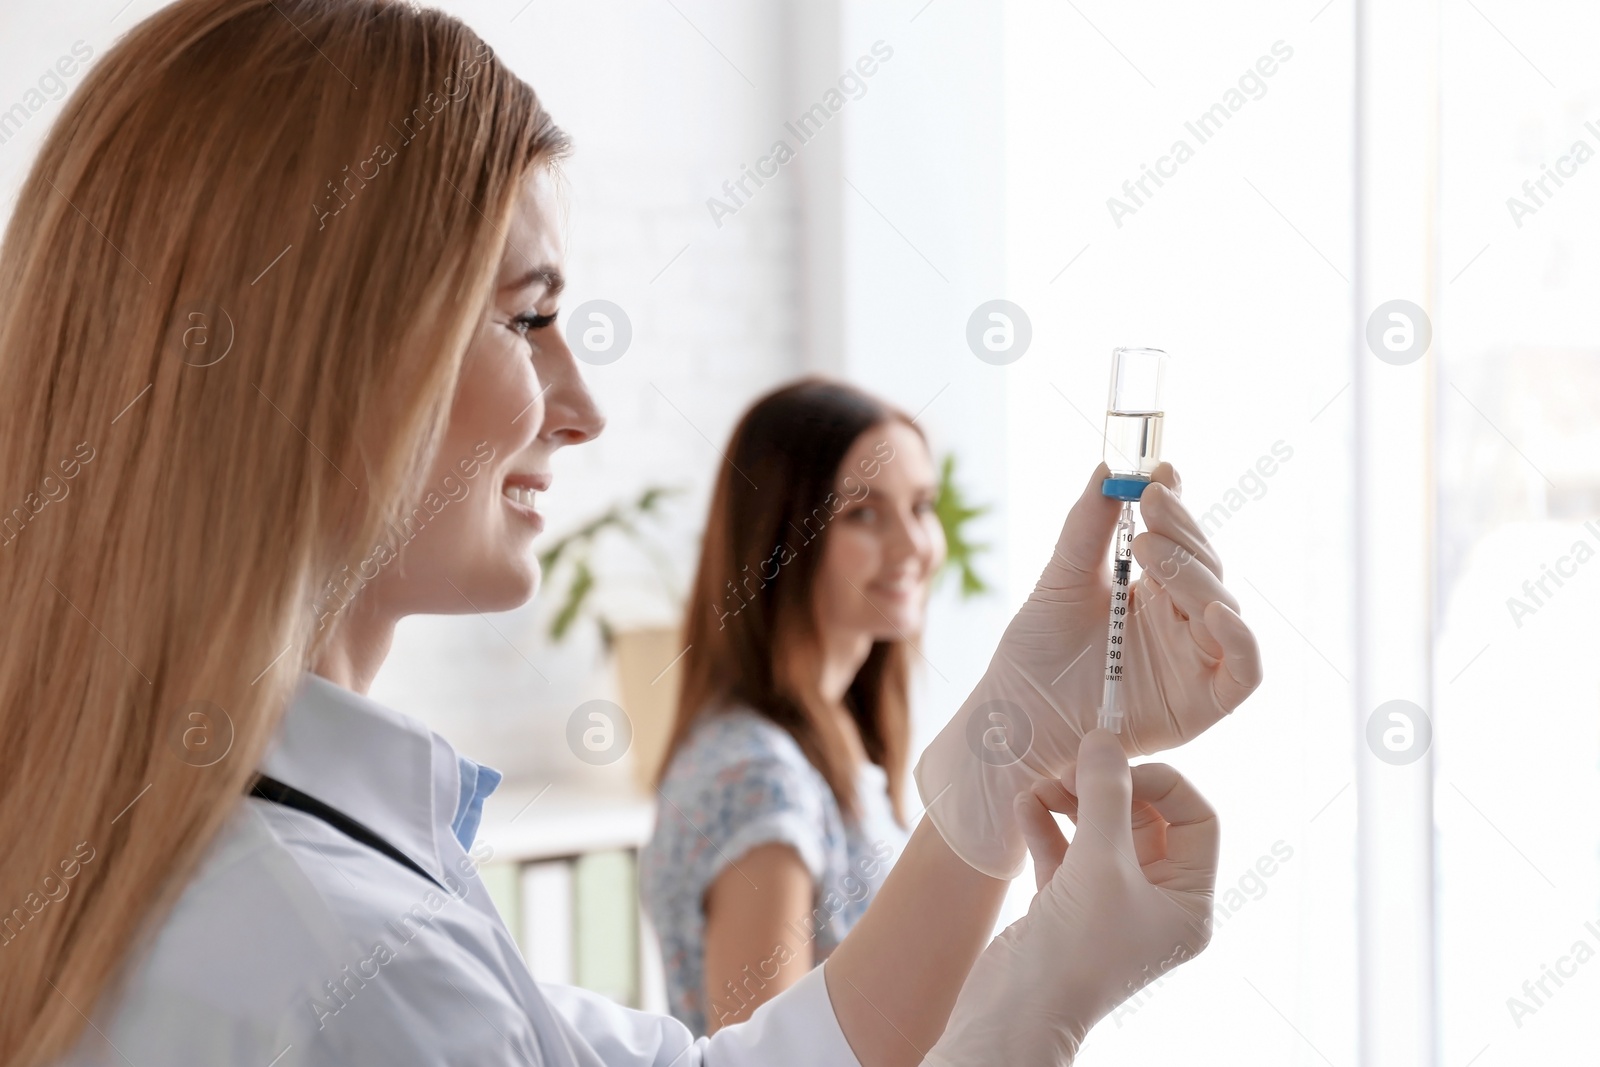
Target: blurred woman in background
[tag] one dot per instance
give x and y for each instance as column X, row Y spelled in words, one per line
column 784, row 773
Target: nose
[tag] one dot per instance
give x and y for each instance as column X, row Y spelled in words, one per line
column 571, row 415
column 907, row 539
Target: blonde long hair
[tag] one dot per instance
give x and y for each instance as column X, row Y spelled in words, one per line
column 239, row 282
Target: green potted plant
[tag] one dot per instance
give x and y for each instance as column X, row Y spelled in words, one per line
column 643, row 655
column 574, row 553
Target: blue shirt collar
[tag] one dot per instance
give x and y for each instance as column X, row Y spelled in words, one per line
column 477, row 782
column 378, row 767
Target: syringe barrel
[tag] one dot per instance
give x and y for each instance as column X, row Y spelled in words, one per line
column 1117, row 626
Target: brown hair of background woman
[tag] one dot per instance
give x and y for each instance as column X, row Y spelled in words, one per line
column 750, row 625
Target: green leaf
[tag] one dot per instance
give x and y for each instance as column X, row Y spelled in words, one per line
column 574, row 552
column 577, row 594
column 954, row 514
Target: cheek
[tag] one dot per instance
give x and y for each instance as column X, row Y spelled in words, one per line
column 937, row 548
column 497, row 400
column 854, row 554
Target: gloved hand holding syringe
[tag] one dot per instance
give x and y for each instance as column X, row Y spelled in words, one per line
column 1134, row 413
column 1186, row 658
column 1181, row 659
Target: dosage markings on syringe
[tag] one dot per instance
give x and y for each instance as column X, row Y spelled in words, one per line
column 1119, row 602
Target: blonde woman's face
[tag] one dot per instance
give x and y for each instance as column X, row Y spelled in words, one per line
column 520, row 398
column 885, row 544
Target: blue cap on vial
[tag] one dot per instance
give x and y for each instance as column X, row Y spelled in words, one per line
column 1123, row 488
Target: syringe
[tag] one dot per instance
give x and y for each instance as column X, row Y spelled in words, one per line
column 1134, row 416
column 1122, row 568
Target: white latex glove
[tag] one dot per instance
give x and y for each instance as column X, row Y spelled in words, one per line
column 1188, row 660
column 1127, row 901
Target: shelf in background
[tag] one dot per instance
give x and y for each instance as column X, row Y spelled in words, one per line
column 562, row 870
column 524, row 821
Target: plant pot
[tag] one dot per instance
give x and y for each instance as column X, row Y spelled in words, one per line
column 649, row 670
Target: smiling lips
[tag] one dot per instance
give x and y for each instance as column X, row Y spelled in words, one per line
column 521, row 492
column 899, row 590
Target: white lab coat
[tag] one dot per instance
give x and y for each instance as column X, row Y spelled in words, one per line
column 296, row 946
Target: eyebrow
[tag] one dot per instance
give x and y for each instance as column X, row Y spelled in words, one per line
column 550, row 277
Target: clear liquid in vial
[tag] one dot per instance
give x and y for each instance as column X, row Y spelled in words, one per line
column 1133, row 442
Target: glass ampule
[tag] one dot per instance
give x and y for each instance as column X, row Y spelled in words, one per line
column 1134, row 413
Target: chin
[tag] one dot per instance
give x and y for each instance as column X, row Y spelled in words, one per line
column 900, row 628
column 523, row 584
column 505, row 588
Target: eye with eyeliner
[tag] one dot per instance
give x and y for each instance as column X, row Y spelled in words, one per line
column 528, row 321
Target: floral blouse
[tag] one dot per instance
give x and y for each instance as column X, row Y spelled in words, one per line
column 740, row 781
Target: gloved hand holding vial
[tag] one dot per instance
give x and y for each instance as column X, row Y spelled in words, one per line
column 1183, row 656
